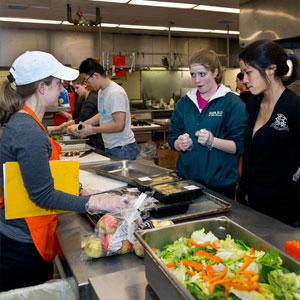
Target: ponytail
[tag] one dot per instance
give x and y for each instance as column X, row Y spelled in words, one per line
column 10, row 100
column 295, row 70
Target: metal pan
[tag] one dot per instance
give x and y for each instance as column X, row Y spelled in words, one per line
column 128, row 171
column 162, row 280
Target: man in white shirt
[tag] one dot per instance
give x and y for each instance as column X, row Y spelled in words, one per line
column 113, row 120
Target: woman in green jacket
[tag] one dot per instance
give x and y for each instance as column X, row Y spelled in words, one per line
column 207, row 128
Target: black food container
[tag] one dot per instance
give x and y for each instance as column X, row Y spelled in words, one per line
column 146, row 183
column 173, row 192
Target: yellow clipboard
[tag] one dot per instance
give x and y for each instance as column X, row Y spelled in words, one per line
column 17, row 202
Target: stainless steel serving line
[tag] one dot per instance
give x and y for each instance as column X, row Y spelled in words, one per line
column 123, row 276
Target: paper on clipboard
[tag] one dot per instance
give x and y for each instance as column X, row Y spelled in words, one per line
column 17, row 202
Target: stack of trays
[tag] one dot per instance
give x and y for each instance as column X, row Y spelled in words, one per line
column 173, row 193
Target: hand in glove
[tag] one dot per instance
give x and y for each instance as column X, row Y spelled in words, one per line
column 85, row 129
column 104, row 203
column 88, row 192
column 184, row 142
column 296, row 175
column 205, row 138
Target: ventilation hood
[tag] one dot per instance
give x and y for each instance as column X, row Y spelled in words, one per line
column 269, row 19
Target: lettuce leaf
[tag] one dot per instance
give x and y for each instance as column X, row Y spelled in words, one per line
column 201, row 237
column 285, row 285
column 269, row 262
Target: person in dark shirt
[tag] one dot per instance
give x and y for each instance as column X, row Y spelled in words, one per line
column 245, row 94
column 87, row 108
column 270, row 174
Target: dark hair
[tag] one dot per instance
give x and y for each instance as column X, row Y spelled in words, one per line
column 12, row 99
column 240, row 76
column 209, row 59
column 90, row 66
column 263, row 53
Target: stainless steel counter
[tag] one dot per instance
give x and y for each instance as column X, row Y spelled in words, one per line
column 122, row 277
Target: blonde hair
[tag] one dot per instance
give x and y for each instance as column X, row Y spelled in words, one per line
column 209, row 59
column 12, row 100
column 81, row 81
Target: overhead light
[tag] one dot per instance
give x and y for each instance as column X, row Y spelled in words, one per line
column 112, row 1
column 218, row 9
column 224, row 31
column 203, row 30
column 189, row 29
column 143, row 27
column 162, row 4
column 66, row 23
column 108, row 25
column 23, row 20
column 127, row 26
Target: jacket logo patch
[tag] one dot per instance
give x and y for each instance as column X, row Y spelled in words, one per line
column 215, row 113
column 280, row 123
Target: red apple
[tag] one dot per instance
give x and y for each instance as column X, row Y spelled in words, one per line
column 126, row 247
column 106, row 241
column 108, row 224
column 93, row 248
column 138, row 249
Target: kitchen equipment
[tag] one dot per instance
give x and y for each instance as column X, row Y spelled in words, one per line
column 163, row 281
column 128, row 171
column 163, row 122
column 86, row 153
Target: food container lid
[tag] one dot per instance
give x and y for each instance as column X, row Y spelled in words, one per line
column 145, row 183
column 177, row 191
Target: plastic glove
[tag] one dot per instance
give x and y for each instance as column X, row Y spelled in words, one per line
column 55, row 130
column 86, row 130
column 296, row 175
column 88, row 192
column 73, row 129
column 205, row 138
column 184, row 142
column 103, row 203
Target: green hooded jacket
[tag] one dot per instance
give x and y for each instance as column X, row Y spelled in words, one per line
column 225, row 117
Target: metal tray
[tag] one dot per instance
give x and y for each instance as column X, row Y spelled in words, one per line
column 162, row 280
column 204, row 205
column 128, row 171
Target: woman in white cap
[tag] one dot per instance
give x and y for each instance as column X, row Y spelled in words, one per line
column 28, row 245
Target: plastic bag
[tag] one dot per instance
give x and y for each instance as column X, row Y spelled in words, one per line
column 138, row 247
column 114, row 232
column 58, row 289
column 148, row 150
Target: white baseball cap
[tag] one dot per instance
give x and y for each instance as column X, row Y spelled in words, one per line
column 37, row 65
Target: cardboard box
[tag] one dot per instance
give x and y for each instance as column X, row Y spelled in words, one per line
column 166, row 158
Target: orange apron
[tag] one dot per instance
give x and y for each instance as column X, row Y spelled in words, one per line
column 42, row 228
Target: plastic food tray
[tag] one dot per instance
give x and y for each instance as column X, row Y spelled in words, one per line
column 163, row 281
column 179, row 191
column 146, row 183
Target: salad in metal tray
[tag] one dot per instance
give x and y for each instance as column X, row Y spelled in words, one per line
column 228, row 269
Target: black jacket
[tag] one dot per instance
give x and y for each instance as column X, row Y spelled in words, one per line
column 272, row 156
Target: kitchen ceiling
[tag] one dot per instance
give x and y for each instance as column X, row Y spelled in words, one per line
column 122, row 14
